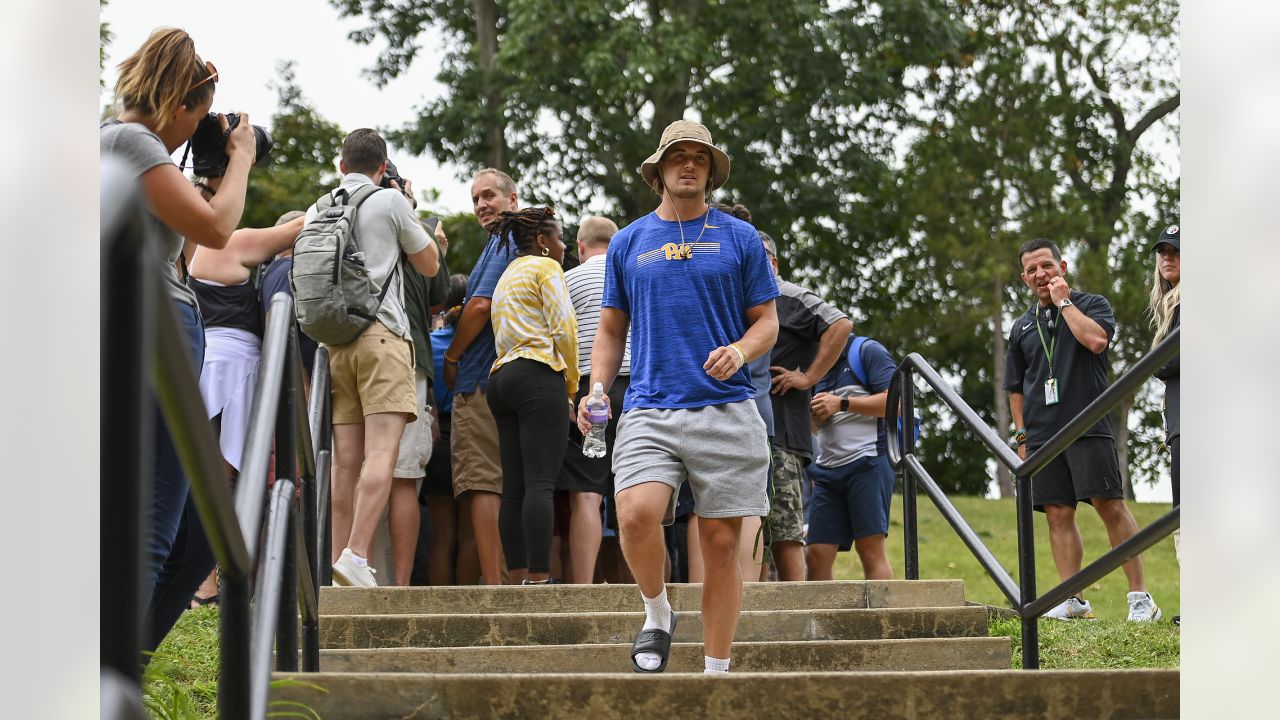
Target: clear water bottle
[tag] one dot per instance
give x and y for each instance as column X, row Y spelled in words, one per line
column 593, row 445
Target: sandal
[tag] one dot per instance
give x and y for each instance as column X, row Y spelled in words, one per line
column 655, row 641
column 197, row 601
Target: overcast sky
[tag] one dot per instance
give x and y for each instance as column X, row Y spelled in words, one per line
column 245, row 40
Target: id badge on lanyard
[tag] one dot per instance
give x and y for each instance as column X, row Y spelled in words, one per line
column 1050, row 385
column 1051, row 391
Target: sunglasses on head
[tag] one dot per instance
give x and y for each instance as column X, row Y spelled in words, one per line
column 213, row 76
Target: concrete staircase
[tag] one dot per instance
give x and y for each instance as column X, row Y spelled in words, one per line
column 882, row 649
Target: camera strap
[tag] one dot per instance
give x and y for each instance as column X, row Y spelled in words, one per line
column 183, row 165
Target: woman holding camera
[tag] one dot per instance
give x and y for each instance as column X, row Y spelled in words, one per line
column 164, row 90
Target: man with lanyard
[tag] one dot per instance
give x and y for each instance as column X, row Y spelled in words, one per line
column 695, row 287
column 1055, row 365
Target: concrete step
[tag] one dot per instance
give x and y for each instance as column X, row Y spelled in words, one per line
column 834, row 595
column 970, row 653
column 988, row 694
column 373, row 631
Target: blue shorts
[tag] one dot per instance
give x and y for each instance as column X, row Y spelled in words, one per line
column 850, row 502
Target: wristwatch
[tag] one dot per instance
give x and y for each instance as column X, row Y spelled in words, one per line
column 844, row 404
column 1064, row 302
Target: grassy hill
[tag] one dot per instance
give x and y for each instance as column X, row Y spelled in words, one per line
column 942, row 555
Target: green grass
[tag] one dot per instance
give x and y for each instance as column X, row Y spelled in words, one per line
column 182, row 679
column 942, row 555
column 1099, row 645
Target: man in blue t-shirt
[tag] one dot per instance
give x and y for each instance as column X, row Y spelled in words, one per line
column 852, row 478
column 696, row 289
column 477, row 469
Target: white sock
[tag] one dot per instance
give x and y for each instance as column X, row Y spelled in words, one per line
column 362, row 562
column 657, row 612
column 714, row 666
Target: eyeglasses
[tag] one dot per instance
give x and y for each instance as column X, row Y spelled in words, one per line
column 213, row 76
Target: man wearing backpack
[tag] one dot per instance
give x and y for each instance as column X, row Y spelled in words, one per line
column 373, row 390
column 852, row 479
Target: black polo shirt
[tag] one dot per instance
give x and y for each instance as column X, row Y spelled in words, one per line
column 802, row 319
column 1081, row 375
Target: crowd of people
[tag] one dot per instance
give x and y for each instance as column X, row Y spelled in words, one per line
column 745, row 436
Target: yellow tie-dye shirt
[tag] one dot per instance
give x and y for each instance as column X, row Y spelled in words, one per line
column 533, row 318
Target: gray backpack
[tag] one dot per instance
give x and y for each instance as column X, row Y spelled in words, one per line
column 333, row 295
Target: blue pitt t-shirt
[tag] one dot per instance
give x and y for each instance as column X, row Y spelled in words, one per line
column 477, row 361
column 682, row 309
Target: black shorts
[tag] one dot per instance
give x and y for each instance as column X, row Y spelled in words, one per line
column 1088, row 469
column 439, row 480
column 580, row 473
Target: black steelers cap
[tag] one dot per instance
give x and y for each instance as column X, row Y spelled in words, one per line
column 1171, row 235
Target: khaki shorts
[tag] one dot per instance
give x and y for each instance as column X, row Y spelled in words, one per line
column 473, row 443
column 415, row 444
column 372, row 374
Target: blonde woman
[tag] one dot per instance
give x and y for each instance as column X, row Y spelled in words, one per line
column 165, row 89
column 1166, row 299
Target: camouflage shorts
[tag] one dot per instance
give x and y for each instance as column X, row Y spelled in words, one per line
column 786, row 513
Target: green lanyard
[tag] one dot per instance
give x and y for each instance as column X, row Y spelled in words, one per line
column 1049, row 346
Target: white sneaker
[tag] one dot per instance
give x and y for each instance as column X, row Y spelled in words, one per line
column 1073, row 608
column 347, row 572
column 1142, row 608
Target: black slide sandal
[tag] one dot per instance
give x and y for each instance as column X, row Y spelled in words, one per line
column 655, row 641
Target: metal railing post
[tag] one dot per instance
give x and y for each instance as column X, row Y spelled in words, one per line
column 910, row 515
column 287, row 467
column 127, row 420
column 233, row 627
column 1027, row 571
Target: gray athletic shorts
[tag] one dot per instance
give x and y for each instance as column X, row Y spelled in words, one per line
column 722, row 450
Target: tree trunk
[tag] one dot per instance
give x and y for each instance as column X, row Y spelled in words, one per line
column 495, row 123
column 1003, row 477
column 1120, row 420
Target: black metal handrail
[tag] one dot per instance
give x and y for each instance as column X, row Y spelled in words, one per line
column 143, row 339
column 901, row 446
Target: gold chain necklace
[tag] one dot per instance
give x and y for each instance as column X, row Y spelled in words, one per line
column 686, row 249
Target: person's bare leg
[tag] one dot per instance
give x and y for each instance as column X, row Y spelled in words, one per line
column 484, row 523
column 584, row 534
column 722, row 588
column 640, row 511
column 208, row 589
column 693, row 546
column 875, row 560
column 467, row 567
column 348, row 457
column 1064, row 538
column 441, row 513
column 821, row 560
column 382, row 433
column 1120, row 527
column 747, row 547
column 789, row 556
column 403, row 520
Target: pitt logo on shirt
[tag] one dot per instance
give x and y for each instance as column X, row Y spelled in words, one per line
column 678, row 251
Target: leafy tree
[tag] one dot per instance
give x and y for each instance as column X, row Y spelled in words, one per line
column 303, row 161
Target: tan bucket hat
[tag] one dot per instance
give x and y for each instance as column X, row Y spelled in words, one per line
column 682, row 131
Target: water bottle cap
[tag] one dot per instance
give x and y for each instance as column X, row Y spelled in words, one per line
column 597, row 389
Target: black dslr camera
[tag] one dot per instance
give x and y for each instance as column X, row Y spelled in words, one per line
column 392, row 173
column 209, row 146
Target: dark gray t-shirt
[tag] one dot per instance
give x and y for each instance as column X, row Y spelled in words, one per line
column 1081, row 375
column 143, row 150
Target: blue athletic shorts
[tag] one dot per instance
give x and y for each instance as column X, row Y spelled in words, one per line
column 850, row 502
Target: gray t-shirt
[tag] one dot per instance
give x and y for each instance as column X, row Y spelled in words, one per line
column 385, row 226
column 143, row 150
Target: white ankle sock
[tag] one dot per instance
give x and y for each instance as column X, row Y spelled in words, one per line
column 362, row 562
column 657, row 611
column 714, row 666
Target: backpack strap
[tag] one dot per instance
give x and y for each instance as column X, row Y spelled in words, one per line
column 855, row 361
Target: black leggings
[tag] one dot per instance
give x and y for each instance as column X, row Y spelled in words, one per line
column 531, row 409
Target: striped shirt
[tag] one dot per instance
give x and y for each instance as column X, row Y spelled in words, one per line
column 586, row 287
column 533, row 318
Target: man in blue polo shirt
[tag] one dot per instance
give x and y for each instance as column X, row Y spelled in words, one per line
column 696, row 288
